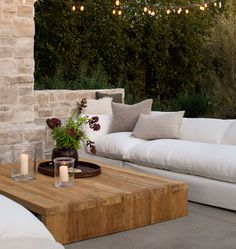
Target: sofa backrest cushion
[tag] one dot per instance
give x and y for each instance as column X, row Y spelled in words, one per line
column 105, row 127
column 204, row 130
column 230, row 135
column 158, row 126
column 125, row 116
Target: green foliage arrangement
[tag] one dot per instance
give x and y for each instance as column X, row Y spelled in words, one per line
column 71, row 134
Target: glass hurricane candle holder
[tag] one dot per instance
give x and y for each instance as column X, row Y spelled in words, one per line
column 24, row 163
column 64, row 171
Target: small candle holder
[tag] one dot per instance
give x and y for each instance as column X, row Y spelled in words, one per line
column 64, row 171
column 24, row 163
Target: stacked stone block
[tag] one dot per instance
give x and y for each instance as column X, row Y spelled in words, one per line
column 23, row 111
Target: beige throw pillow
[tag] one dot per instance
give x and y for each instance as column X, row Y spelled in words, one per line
column 159, row 126
column 98, row 106
column 125, row 116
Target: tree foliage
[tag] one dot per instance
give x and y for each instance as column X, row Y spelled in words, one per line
column 160, row 57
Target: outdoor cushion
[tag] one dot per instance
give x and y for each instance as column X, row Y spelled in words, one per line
column 204, row 130
column 214, row 161
column 230, row 135
column 105, row 127
column 125, row 116
column 98, row 106
column 18, row 222
column 114, row 145
column 29, row 243
column 158, row 126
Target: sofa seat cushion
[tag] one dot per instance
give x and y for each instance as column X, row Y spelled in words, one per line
column 214, row 161
column 114, row 145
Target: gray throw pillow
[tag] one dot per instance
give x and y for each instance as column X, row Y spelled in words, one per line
column 159, row 126
column 125, row 116
column 116, row 97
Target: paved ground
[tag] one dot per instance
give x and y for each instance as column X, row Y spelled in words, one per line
column 204, row 228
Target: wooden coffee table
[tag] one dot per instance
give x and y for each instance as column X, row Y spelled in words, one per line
column 116, row 200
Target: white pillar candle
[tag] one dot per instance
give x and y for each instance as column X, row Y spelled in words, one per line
column 24, row 164
column 64, row 175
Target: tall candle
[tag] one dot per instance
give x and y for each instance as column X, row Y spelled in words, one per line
column 24, row 164
column 64, row 175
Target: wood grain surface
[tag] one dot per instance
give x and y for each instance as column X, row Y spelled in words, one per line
column 115, row 200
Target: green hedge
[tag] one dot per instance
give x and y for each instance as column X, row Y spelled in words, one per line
column 160, row 57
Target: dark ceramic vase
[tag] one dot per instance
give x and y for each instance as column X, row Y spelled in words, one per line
column 65, row 152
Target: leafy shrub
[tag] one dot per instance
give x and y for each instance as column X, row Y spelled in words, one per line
column 194, row 105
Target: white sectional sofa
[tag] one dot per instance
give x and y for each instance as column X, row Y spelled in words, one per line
column 21, row 229
column 204, row 156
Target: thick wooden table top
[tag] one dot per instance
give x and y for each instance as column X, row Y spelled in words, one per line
column 110, row 188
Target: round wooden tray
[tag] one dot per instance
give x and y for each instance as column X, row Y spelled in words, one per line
column 87, row 169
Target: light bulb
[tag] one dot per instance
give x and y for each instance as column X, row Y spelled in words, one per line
column 119, row 12
column 153, row 13
column 73, row 8
column 117, row 3
column 145, row 9
column 215, row 4
column 202, row 8
column 205, row 5
column 168, row 12
column 186, row 11
column 179, row 10
column 149, row 12
column 81, row 8
column 113, row 12
column 220, row 4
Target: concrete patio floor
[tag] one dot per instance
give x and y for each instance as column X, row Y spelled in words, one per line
column 205, row 227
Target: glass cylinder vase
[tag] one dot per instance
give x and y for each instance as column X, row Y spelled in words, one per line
column 24, row 163
column 64, row 171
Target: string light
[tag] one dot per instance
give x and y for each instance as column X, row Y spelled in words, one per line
column 158, row 8
column 117, row 2
column 179, row 10
column 81, row 8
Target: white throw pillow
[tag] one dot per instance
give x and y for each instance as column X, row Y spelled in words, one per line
column 98, row 106
column 159, row 126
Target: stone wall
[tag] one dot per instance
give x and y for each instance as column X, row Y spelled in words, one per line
column 61, row 103
column 16, row 61
column 23, row 111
